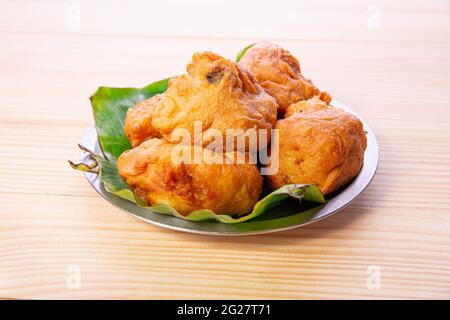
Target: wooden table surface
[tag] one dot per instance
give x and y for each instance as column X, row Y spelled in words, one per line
column 389, row 60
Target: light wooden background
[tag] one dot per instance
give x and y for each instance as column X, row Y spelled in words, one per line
column 388, row 60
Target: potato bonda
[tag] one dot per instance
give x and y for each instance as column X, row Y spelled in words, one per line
column 153, row 171
column 318, row 144
column 278, row 72
column 219, row 95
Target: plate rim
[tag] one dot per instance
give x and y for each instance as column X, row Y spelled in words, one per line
column 90, row 140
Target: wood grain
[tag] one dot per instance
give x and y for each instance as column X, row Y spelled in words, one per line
column 396, row 76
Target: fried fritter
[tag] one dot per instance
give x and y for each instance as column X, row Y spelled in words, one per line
column 278, row 72
column 157, row 173
column 313, row 104
column 218, row 93
column 318, row 144
column 138, row 121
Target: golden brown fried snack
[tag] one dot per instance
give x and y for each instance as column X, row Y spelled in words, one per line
column 319, row 144
column 152, row 172
column 278, row 72
column 217, row 92
column 138, row 122
column 313, row 104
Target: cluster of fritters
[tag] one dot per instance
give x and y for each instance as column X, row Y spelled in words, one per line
column 317, row 143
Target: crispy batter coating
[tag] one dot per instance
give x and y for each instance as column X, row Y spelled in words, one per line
column 318, row 144
column 138, row 122
column 313, row 104
column 279, row 74
column 220, row 94
column 152, row 172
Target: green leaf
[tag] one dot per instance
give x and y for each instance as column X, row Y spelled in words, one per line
column 243, row 51
column 110, row 106
column 261, row 207
column 92, row 167
column 313, row 194
column 114, row 184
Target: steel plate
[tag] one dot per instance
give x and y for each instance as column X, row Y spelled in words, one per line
column 264, row 224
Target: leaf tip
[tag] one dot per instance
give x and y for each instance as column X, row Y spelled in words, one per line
column 243, row 51
column 73, row 165
column 83, row 148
